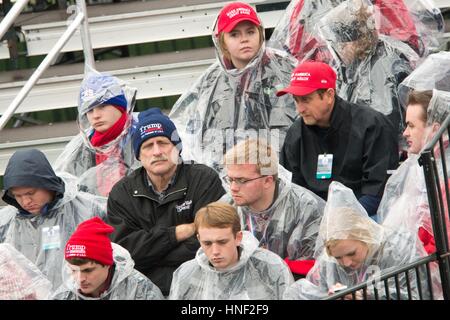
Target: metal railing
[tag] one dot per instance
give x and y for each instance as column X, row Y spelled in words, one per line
column 419, row 278
column 432, row 159
column 79, row 20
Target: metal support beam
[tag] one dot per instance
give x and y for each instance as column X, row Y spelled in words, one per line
column 86, row 37
column 11, row 16
column 42, row 67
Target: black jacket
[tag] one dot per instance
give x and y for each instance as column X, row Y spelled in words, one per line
column 146, row 226
column 361, row 140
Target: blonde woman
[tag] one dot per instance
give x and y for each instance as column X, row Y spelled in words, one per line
column 351, row 248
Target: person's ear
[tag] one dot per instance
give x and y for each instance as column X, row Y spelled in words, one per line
column 238, row 238
column 435, row 128
column 330, row 92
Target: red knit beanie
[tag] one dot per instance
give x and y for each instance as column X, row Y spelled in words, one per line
column 90, row 241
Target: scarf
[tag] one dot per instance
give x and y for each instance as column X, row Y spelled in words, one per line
column 112, row 171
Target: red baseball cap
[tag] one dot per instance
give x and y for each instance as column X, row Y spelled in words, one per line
column 233, row 13
column 308, row 77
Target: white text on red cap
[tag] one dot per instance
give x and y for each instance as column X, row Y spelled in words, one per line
column 77, row 250
column 300, row 76
column 237, row 11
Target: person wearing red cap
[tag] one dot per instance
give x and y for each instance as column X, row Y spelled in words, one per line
column 101, row 154
column 99, row 269
column 236, row 95
column 335, row 139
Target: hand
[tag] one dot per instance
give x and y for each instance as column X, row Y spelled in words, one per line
column 358, row 296
column 184, row 231
column 338, row 286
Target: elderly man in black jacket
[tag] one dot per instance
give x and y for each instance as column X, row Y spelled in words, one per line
column 336, row 140
column 153, row 209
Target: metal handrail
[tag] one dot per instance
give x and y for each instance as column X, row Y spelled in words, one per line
column 384, row 277
column 11, row 16
column 40, row 70
column 80, row 19
column 435, row 201
column 438, row 134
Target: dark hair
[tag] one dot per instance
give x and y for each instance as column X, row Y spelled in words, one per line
column 321, row 92
column 421, row 98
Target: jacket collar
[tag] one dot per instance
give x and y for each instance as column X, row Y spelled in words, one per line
column 339, row 114
column 174, row 191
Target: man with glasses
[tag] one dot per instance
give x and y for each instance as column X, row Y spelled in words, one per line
column 335, row 140
column 284, row 217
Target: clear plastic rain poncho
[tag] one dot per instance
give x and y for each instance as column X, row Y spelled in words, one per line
column 258, row 275
column 405, row 200
column 418, row 23
column 100, row 167
column 225, row 105
column 127, row 283
column 370, row 66
column 290, row 226
column 346, row 219
column 20, row 279
column 41, row 238
column 432, row 73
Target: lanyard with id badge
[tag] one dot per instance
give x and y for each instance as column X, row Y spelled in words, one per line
column 50, row 238
column 324, row 166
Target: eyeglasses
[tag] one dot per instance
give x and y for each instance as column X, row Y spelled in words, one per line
column 239, row 181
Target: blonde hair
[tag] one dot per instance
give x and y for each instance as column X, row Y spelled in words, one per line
column 223, row 46
column 218, row 215
column 346, row 223
column 254, row 151
column 330, row 244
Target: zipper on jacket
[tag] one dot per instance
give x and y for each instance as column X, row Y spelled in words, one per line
column 157, row 200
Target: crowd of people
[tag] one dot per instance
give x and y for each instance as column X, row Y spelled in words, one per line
column 280, row 174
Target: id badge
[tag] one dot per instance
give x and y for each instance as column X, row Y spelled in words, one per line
column 324, row 166
column 50, row 238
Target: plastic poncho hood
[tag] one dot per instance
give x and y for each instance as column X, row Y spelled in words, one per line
column 345, row 218
column 432, row 73
column 100, row 89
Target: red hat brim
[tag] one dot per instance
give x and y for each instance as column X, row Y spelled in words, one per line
column 233, row 24
column 296, row 91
